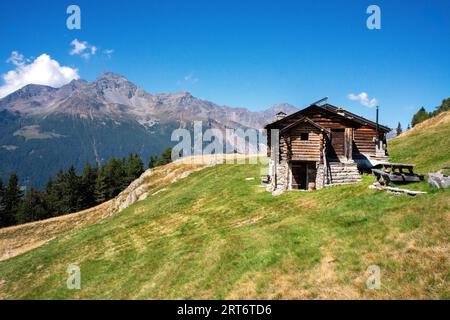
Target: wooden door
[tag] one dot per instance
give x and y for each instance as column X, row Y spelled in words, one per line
column 299, row 171
column 338, row 142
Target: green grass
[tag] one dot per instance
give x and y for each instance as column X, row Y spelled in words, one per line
column 228, row 238
column 429, row 147
column 217, row 235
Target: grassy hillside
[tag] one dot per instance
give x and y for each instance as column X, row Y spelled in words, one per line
column 217, row 234
column 427, row 144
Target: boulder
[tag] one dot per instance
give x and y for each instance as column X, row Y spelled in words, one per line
column 439, row 180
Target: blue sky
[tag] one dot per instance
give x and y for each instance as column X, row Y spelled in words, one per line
column 249, row 53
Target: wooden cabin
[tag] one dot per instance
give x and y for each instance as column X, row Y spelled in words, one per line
column 322, row 145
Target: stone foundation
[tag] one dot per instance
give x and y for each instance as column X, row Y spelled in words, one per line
column 282, row 175
column 337, row 173
column 279, row 173
column 320, row 183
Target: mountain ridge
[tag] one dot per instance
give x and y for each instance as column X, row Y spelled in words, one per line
column 112, row 89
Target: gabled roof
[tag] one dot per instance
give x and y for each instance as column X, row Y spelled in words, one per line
column 335, row 111
column 303, row 120
column 356, row 117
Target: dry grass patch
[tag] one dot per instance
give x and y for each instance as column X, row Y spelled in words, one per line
column 19, row 239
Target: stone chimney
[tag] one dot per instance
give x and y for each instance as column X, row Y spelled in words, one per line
column 281, row 115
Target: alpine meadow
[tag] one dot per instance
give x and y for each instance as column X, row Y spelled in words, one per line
column 224, row 159
column 242, row 243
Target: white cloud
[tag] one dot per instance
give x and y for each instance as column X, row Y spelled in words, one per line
column 363, row 98
column 108, row 52
column 16, row 58
column 82, row 49
column 78, row 47
column 43, row 70
column 190, row 78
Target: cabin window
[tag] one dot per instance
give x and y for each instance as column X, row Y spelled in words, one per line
column 304, row 136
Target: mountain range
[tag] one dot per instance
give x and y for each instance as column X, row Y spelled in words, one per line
column 45, row 129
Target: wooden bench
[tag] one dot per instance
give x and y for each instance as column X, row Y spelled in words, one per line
column 396, row 172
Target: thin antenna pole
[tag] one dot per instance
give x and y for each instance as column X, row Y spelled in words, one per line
column 319, row 101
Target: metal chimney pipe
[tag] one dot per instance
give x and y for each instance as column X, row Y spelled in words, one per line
column 280, row 115
column 377, row 121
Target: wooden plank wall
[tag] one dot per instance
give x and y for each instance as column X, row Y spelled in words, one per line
column 364, row 141
column 284, row 141
column 363, row 137
column 338, row 142
column 305, row 150
column 328, row 121
column 320, row 117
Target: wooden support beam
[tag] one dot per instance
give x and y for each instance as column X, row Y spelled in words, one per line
column 348, row 143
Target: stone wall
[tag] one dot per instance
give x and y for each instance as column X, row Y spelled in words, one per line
column 337, row 173
column 279, row 176
column 320, row 176
column 282, row 175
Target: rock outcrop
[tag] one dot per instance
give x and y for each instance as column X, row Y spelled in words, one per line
column 439, row 180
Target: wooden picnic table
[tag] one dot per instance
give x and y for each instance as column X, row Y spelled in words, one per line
column 396, row 172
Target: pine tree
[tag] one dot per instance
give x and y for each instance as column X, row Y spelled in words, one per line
column 420, row 116
column 50, row 198
column 33, row 207
column 152, row 162
column 12, row 201
column 55, row 194
column 87, row 188
column 65, row 192
column 115, row 177
column 72, row 191
column 445, row 106
column 166, row 157
column 134, row 167
column 399, row 129
column 101, row 187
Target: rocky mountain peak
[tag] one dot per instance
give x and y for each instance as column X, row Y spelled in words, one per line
column 112, row 96
column 112, row 76
column 31, row 90
column 115, row 85
column 28, row 96
column 112, row 80
column 75, row 84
